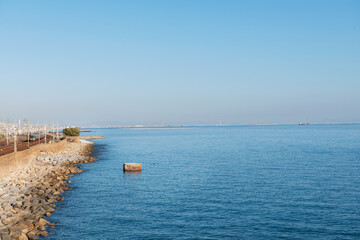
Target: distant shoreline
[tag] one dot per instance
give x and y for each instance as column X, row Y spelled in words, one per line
column 225, row 125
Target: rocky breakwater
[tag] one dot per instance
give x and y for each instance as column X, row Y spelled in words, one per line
column 28, row 196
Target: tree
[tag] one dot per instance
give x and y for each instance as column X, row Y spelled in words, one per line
column 71, row 132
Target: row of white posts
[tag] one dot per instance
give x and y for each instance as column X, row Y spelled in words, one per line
column 14, row 130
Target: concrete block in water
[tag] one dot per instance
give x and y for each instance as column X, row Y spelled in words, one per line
column 132, row 167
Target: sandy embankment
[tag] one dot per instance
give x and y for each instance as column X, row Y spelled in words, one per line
column 28, row 195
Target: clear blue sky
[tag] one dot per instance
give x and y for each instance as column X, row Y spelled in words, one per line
column 242, row 62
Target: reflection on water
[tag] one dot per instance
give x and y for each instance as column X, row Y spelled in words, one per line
column 132, row 174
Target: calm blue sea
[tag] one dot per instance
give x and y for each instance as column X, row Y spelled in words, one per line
column 246, row 182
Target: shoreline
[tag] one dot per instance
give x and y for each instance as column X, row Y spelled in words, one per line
column 29, row 194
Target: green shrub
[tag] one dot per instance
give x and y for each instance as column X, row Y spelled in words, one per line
column 72, row 132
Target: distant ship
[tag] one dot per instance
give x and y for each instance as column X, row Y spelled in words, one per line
column 304, row 123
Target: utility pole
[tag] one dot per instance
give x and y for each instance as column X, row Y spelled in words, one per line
column 57, row 131
column 52, row 131
column 39, row 135
column 28, row 134
column 45, row 134
column 15, row 148
column 26, row 124
column 7, row 135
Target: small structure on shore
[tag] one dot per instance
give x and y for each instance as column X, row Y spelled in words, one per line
column 132, row 167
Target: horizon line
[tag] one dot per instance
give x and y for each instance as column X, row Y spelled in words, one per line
column 199, row 125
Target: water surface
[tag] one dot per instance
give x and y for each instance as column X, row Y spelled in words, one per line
column 247, row 182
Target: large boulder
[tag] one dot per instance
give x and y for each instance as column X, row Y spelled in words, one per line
column 132, row 167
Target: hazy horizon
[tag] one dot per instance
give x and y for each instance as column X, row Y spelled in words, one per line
column 180, row 62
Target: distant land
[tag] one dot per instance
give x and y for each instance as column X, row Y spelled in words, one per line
column 205, row 125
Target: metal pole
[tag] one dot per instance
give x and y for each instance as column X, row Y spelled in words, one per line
column 57, row 132
column 7, row 136
column 28, row 135
column 15, row 148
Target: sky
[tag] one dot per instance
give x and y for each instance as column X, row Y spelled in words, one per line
column 180, row 62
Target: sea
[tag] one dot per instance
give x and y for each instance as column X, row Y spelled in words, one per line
column 230, row 182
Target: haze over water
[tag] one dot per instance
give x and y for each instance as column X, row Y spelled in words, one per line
column 247, row 182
